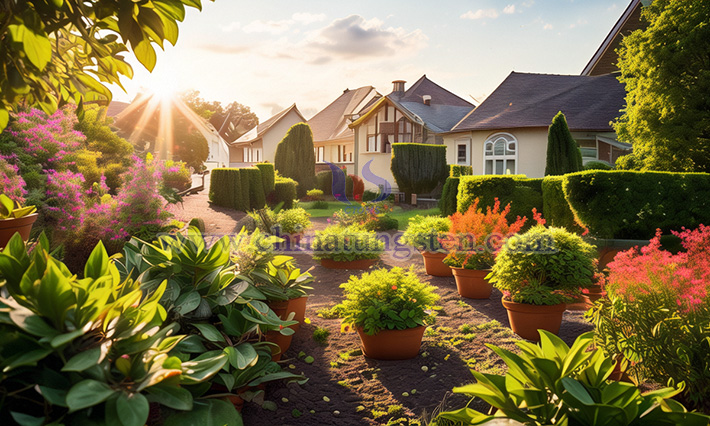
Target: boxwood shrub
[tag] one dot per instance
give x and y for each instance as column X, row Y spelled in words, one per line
column 324, row 182
column 447, row 202
column 268, row 176
column 284, row 192
column 244, row 199
column 555, row 205
column 458, row 170
column 225, row 188
column 257, row 198
column 522, row 194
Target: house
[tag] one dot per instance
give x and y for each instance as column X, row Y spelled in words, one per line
column 259, row 143
column 333, row 139
column 605, row 58
column 507, row 133
column 422, row 114
column 152, row 123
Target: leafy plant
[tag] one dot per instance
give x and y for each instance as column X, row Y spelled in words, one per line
column 10, row 209
column 293, row 221
column 346, row 243
column 551, row 383
column 252, row 250
column 544, row 266
column 423, row 232
column 282, row 280
column 387, row 300
column 320, row 335
column 314, row 195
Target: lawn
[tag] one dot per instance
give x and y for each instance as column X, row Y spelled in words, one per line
column 398, row 213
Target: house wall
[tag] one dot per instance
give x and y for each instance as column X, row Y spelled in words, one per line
column 273, row 136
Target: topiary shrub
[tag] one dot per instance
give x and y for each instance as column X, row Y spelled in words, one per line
column 563, row 154
column 597, row 165
column 555, row 205
column 243, row 198
column 324, row 182
column 268, row 176
column 418, row 168
column 284, row 192
column 226, row 188
column 198, row 223
column 447, row 203
column 295, row 157
column 257, row 198
column 458, row 170
column 522, row 194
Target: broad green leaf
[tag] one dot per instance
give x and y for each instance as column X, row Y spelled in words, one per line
column 145, row 54
column 213, row 412
column 36, row 46
column 577, row 391
column 66, row 338
column 170, row 396
column 187, row 302
column 132, row 409
column 97, row 264
column 31, row 323
column 26, row 420
column 83, row 360
column 54, row 396
column 242, row 356
column 4, row 118
column 29, row 358
column 87, row 393
column 210, row 332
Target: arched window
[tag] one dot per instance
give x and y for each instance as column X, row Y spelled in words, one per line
column 500, row 155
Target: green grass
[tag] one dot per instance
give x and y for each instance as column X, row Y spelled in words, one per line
column 398, row 213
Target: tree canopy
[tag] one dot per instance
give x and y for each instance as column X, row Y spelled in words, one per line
column 55, row 52
column 232, row 120
column 666, row 69
column 563, row 154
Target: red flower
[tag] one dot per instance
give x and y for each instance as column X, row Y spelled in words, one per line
column 281, row 327
column 394, row 287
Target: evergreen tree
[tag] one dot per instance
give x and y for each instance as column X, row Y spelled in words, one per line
column 563, row 154
column 295, row 157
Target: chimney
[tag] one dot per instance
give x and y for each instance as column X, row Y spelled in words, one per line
column 426, row 99
column 398, row 86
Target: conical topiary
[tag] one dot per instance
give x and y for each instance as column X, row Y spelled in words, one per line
column 295, row 157
column 563, row 154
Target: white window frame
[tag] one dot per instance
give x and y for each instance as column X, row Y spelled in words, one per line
column 509, row 140
column 466, row 143
column 373, row 141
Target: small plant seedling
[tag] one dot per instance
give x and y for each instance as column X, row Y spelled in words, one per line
column 309, row 359
column 425, row 368
column 359, row 408
column 344, row 383
column 489, row 325
column 405, row 393
column 269, row 405
column 320, row 335
column 301, row 354
column 329, row 313
column 296, row 414
column 334, row 364
column 394, row 410
column 463, row 304
column 466, row 328
column 413, row 391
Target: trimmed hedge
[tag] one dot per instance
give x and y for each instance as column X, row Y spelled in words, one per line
column 457, row 170
column 225, row 188
column 257, row 198
column 324, row 182
column 285, row 191
column 447, row 202
column 629, row 204
column 555, row 205
column 418, row 167
column 268, row 176
column 523, row 194
column 244, row 198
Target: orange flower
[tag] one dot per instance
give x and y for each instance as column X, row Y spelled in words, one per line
column 394, row 287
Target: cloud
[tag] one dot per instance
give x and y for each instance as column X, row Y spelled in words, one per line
column 306, row 18
column 225, row 49
column 274, row 107
column 234, row 25
column 509, row 9
column 547, row 27
column 356, row 37
column 528, row 3
column 480, row 14
column 271, row 27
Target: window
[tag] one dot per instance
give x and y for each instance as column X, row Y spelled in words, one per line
column 500, row 155
column 320, row 154
column 246, row 151
column 404, row 130
column 373, row 143
column 463, row 152
column 257, row 155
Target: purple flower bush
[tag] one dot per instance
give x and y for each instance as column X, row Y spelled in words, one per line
column 11, row 183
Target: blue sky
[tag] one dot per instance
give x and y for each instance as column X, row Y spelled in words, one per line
column 270, row 54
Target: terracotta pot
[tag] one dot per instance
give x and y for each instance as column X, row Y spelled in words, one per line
column 619, row 374
column 348, row 264
column 297, row 305
column 392, row 344
column 472, row 283
column 23, row 225
column 434, row 264
column 594, row 293
column 526, row 319
column 283, row 342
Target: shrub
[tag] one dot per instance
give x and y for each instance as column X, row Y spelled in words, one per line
column 319, row 205
column 551, row 383
column 284, row 192
column 458, row 170
column 257, row 198
column 244, row 195
column 346, row 243
column 324, row 181
column 544, row 266
column 295, row 157
column 563, row 154
column 226, row 188
column 268, row 176
column 387, row 300
column 556, row 207
column 293, row 221
column 625, row 204
column 358, row 187
column 372, row 216
column 597, row 165
column 658, row 311
column 449, row 194
column 383, row 223
column 522, row 194
column 176, row 175
column 475, row 237
column 423, row 232
column 314, row 195
column 418, row 168
column 11, row 183
column 198, row 223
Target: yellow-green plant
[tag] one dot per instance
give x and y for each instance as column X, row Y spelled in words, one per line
column 10, row 209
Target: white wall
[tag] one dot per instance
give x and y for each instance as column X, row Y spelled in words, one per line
column 273, row 136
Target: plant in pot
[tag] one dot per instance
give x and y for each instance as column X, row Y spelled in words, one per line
column 389, row 310
column 15, row 218
column 423, row 234
column 347, row 247
column 472, row 242
column 538, row 272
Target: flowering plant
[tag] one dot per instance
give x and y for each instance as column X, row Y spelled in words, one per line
column 475, row 237
column 371, row 215
column 346, row 243
column 11, row 183
column 658, row 311
column 387, row 300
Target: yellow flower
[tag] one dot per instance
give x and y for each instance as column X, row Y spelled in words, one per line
column 346, row 328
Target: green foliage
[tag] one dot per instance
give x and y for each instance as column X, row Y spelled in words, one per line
column 626, row 204
column 319, row 205
column 114, row 150
column 281, row 279
column 555, row 205
column 252, row 251
column 320, row 335
column 384, row 299
column 257, row 198
column 346, row 243
column 295, row 157
column 458, row 170
column 664, row 70
column 268, row 176
column 449, row 195
column 226, row 189
column 544, row 266
column 10, row 209
column 522, row 194
column 190, row 147
column 233, row 120
column 45, row 73
column 423, row 232
column 314, row 194
column 599, row 165
column 284, row 192
column 293, row 221
column 324, row 181
column 197, row 223
column 552, row 383
column 418, row 168
column 563, row 155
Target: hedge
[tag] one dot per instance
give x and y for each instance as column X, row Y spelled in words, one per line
column 447, row 203
column 629, row 204
column 458, row 170
column 284, row 192
column 555, row 205
column 268, row 176
column 244, row 199
column 324, row 182
column 523, row 194
column 418, row 167
column 257, row 198
column 225, row 187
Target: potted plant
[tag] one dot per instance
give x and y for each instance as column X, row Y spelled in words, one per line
column 423, row 233
column 389, row 310
column 538, row 272
column 15, row 218
column 473, row 241
column 347, row 247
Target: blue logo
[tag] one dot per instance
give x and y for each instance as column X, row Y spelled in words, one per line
column 339, row 183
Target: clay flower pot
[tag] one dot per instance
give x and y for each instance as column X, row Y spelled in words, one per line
column 593, row 293
column 283, row 342
column 362, row 264
column 434, row 264
column 392, row 344
column 526, row 319
column 472, row 283
column 297, row 305
column 23, row 225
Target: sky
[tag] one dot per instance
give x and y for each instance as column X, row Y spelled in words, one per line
column 269, row 54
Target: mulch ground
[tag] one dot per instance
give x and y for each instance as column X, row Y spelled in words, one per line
column 345, row 387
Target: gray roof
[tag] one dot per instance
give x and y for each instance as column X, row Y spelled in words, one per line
column 532, row 100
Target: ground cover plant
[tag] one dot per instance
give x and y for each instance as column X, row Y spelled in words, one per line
column 346, row 243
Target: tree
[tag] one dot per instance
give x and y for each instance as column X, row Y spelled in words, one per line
column 232, row 121
column 295, row 157
column 418, row 168
column 563, row 154
column 55, row 52
column 191, row 147
column 665, row 69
